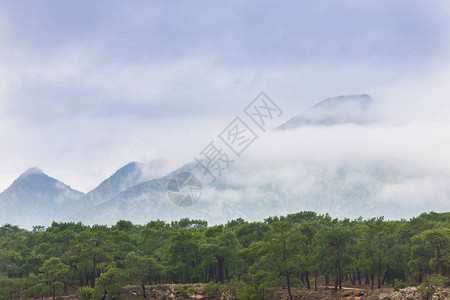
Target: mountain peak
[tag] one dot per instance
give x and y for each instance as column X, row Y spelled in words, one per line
column 36, row 198
column 334, row 111
column 363, row 101
column 126, row 177
column 33, row 170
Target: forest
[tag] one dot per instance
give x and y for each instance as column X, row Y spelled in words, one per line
column 289, row 251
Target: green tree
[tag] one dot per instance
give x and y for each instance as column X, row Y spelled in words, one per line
column 261, row 286
column 336, row 240
column 109, row 285
column 182, row 254
column 36, row 288
column 93, row 246
column 431, row 282
column 430, row 252
column 283, row 246
column 53, row 273
column 218, row 250
column 141, row 269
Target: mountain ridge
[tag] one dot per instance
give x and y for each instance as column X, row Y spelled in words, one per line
column 34, row 198
column 125, row 177
column 138, row 192
column 354, row 108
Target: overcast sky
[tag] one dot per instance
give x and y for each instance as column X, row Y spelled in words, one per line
column 88, row 86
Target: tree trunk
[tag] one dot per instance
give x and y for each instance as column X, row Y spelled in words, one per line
column 307, row 280
column 94, row 272
column 372, row 277
column 359, row 276
column 379, row 279
column 315, row 282
column 441, row 263
column 327, row 280
column 340, row 275
column 288, row 282
column 448, row 275
column 54, row 292
column 336, row 276
column 367, row 281
column 144, row 294
column 220, row 271
column 379, row 268
column 385, row 276
column 226, row 273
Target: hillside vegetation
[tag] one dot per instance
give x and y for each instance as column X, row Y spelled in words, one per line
column 256, row 258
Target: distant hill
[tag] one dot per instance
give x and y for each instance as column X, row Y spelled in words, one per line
column 128, row 176
column 37, row 199
column 34, row 198
column 138, row 192
column 333, row 111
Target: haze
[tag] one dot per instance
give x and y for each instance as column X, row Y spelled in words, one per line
column 86, row 87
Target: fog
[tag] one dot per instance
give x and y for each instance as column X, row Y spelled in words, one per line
column 84, row 93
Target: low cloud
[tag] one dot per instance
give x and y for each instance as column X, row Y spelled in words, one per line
column 333, row 167
column 85, row 91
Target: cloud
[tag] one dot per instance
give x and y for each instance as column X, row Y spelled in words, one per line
column 417, row 190
column 337, row 169
column 87, row 87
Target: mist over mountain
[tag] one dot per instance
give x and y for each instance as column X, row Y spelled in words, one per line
column 37, row 199
column 344, row 185
column 329, row 159
column 34, row 198
column 144, row 201
column 333, row 111
column 128, row 176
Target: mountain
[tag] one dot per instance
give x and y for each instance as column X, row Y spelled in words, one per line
column 354, row 109
column 34, row 198
column 150, row 201
column 278, row 180
column 129, row 175
column 345, row 188
column 145, row 201
column 37, row 199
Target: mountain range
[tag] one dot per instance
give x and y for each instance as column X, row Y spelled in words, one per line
column 138, row 191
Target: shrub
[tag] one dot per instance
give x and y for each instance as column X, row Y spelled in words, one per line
column 261, row 286
column 86, row 292
column 429, row 285
column 109, row 285
column 399, row 285
column 190, row 290
column 211, row 288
